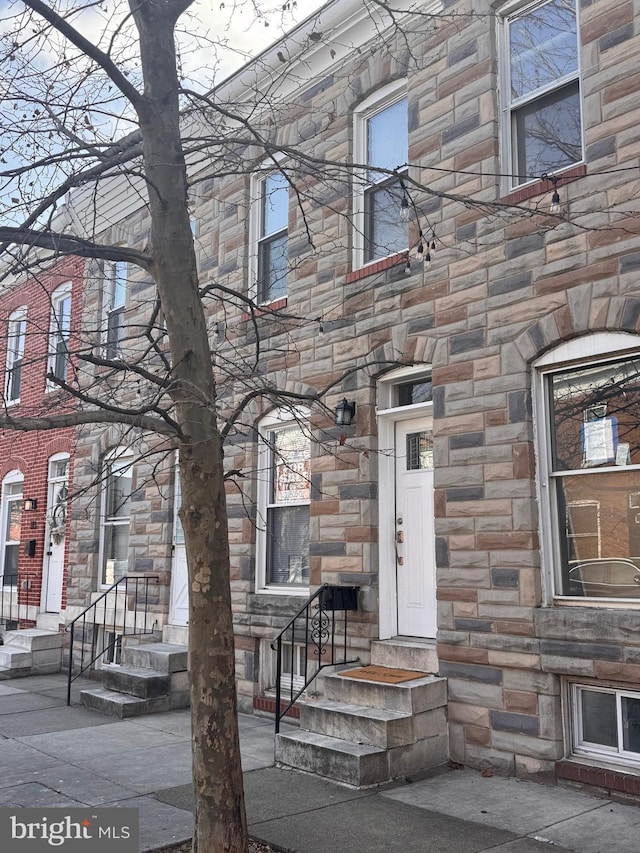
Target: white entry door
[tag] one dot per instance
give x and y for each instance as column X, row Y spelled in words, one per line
column 53, row 569
column 179, row 595
column 414, row 528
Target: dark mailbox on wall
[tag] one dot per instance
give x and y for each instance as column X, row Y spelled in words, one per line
column 339, row 597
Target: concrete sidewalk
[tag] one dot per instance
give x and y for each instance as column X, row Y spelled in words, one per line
column 52, row 755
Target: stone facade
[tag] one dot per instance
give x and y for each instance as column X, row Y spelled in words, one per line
column 508, row 282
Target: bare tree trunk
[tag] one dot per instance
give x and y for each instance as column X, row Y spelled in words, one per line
column 220, row 823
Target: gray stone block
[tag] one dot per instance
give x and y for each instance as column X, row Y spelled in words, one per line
column 143, row 683
column 349, row 763
column 33, row 639
column 161, row 657
column 422, row 694
column 405, row 654
column 373, row 726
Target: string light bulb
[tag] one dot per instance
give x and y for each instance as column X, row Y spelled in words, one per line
column 405, row 210
column 554, row 207
column 427, row 260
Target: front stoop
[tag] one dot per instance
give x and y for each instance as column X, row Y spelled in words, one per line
column 365, row 733
column 30, row 651
column 153, row 677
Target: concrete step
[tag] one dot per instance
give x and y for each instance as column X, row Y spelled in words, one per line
column 14, row 658
column 162, row 657
column 373, row 726
column 122, row 705
column 142, row 683
column 176, row 635
column 353, row 764
column 358, row 765
column 49, row 621
column 410, row 697
column 419, row 655
column 34, row 639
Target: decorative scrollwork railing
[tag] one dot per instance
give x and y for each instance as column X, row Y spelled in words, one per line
column 313, row 633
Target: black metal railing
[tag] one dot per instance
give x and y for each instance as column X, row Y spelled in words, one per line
column 127, row 596
column 314, row 628
column 16, row 605
column 9, row 603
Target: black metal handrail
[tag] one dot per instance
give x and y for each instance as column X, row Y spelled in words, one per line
column 316, row 631
column 132, row 593
column 9, row 601
column 16, row 604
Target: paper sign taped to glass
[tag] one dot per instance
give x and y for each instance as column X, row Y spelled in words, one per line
column 599, row 441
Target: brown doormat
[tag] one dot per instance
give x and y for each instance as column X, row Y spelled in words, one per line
column 384, row 674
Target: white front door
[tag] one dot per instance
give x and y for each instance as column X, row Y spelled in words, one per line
column 179, row 595
column 414, row 528
column 53, row 568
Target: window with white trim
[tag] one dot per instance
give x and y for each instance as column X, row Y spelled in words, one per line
column 115, row 515
column 10, row 526
column 606, row 723
column 114, row 295
column 588, row 424
column 271, row 227
column 283, row 504
column 60, row 330
column 381, row 134
column 541, row 101
column 15, row 354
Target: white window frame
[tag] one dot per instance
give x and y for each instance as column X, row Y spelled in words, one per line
column 598, row 346
column 509, row 107
column 114, row 302
column 119, row 455
column 257, row 237
column 280, row 419
column 376, row 103
column 583, row 748
column 16, row 334
column 57, row 333
column 11, row 479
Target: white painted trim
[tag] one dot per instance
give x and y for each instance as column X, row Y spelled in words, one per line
column 506, row 106
column 11, row 478
column 256, row 182
column 58, row 296
column 117, row 453
column 384, row 97
column 607, row 346
column 279, row 418
column 387, row 418
column 18, row 316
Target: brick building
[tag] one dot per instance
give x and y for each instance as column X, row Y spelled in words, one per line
column 439, row 225
column 38, row 312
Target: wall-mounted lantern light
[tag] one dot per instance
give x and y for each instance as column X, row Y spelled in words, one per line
column 29, row 504
column 345, row 412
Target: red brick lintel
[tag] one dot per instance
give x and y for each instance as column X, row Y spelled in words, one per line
column 544, row 185
column 269, row 308
column 377, row 266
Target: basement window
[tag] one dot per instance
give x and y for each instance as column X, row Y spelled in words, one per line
column 606, row 723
